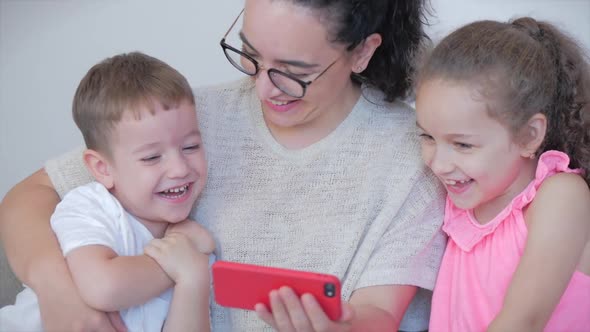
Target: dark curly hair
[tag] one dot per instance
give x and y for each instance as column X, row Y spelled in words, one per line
column 524, row 67
column 400, row 24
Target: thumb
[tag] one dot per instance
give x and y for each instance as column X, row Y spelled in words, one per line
column 117, row 321
column 347, row 312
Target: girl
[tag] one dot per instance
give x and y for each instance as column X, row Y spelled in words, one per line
column 504, row 120
column 309, row 168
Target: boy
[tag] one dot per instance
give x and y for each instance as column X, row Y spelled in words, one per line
column 138, row 119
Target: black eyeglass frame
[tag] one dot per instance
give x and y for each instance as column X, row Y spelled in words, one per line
column 270, row 71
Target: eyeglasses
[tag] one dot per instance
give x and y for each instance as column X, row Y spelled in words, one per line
column 287, row 83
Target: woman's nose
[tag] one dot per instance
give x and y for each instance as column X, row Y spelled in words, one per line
column 265, row 88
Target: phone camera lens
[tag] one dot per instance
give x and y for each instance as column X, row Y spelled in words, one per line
column 329, row 289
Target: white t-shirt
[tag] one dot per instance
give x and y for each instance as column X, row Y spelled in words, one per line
column 90, row 215
column 359, row 204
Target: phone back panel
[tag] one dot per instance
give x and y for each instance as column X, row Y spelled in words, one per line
column 240, row 285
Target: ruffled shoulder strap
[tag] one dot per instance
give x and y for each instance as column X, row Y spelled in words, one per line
column 466, row 232
column 550, row 163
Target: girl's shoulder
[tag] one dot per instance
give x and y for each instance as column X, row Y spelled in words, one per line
column 569, row 189
column 560, row 188
column 554, row 179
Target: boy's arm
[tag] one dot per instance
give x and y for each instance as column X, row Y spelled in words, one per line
column 109, row 282
column 189, row 310
column 189, row 268
column 36, row 259
column 558, row 222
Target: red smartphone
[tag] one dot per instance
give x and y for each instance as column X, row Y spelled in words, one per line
column 239, row 285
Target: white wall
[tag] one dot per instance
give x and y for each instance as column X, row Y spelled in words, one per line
column 46, row 46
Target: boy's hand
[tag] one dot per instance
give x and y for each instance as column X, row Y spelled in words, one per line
column 177, row 256
column 200, row 237
column 291, row 313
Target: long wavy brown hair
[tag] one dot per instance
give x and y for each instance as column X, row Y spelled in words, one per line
column 523, row 67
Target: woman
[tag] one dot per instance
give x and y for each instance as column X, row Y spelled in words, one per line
column 314, row 165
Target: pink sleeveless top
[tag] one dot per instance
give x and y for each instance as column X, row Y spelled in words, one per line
column 480, row 260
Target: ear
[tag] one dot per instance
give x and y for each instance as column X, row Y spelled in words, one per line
column 364, row 52
column 533, row 135
column 99, row 166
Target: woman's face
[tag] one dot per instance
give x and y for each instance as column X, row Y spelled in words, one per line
column 291, row 38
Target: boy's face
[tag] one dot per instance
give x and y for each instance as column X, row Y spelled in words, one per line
column 158, row 165
column 473, row 154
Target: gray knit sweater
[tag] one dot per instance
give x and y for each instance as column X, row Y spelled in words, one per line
column 359, row 204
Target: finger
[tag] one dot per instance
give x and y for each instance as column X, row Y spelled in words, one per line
column 117, row 321
column 297, row 314
column 265, row 315
column 157, row 249
column 156, row 243
column 152, row 251
column 205, row 243
column 201, row 238
column 318, row 318
column 171, row 238
column 347, row 312
column 279, row 312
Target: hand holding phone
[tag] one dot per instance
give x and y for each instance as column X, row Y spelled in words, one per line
column 239, row 285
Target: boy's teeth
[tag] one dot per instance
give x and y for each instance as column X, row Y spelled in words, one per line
column 176, row 190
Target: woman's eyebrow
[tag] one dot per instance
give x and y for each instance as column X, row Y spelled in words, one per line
column 295, row 63
column 245, row 41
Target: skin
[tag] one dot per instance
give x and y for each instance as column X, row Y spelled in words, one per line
column 461, row 141
column 148, row 156
column 297, row 36
column 40, row 264
column 129, row 281
column 298, row 44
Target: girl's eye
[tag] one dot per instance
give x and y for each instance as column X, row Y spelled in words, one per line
column 463, row 146
column 191, row 148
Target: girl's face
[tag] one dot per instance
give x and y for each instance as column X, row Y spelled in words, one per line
column 472, row 154
column 291, row 38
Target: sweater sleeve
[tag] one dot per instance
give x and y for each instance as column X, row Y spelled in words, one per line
column 68, row 171
column 410, row 251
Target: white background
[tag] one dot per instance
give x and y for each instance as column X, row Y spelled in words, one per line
column 46, row 46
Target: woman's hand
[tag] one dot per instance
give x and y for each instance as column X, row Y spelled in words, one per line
column 291, row 313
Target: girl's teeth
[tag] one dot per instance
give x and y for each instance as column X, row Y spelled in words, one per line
column 454, row 182
column 279, row 103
